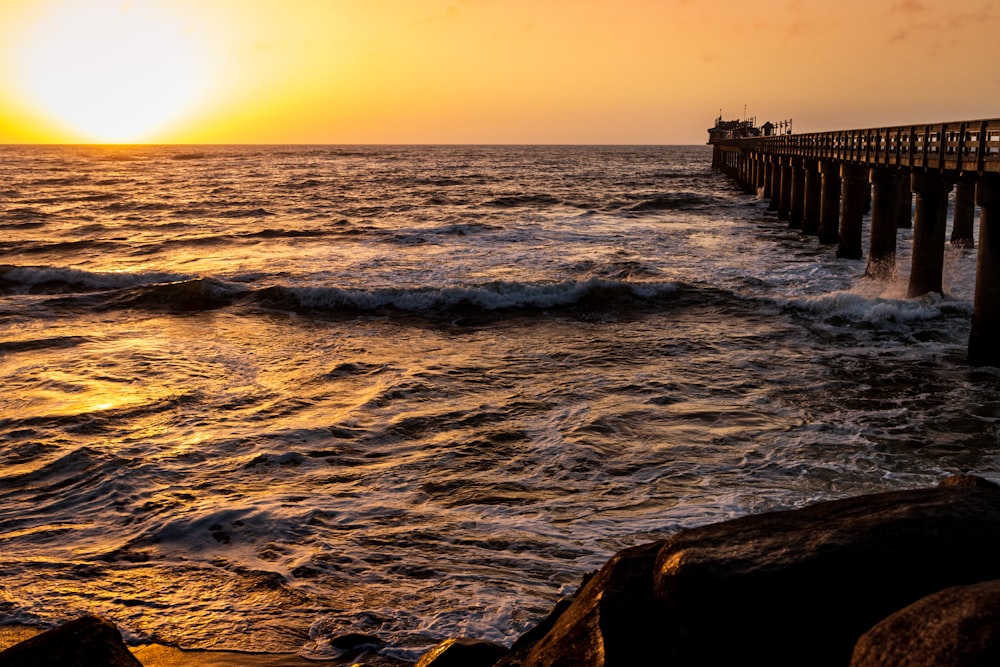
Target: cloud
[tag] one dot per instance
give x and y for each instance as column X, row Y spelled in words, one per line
column 977, row 17
column 909, row 7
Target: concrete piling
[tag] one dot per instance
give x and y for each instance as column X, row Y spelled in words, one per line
column 797, row 203
column 887, row 186
column 963, row 221
column 929, row 221
column 775, row 194
column 855, row 191
column 814, row 191
column 984, row 340
column 785, row 195
column 829, row 214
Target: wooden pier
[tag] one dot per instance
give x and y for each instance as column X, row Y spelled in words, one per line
column 823, row 183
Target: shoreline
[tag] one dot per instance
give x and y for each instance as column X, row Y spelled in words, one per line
column 162, row 655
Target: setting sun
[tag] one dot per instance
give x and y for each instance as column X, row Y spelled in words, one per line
column 108, row 72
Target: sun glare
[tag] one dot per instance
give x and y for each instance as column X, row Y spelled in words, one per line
column 109, row 71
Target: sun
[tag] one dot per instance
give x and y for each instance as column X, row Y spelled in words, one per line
column 109, row 72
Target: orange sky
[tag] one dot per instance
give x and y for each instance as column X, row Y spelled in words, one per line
column 484, row 71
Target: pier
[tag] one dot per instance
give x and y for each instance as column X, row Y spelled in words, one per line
column 824, row 182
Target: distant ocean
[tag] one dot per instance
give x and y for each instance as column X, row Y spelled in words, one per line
column 258, row 397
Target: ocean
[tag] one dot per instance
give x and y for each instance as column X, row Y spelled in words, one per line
column 257, row 397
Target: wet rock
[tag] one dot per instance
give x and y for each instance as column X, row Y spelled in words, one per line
column 783, row 588
column 610, row 621
column 956, row 627
column 90, row 641
column 462, row 653
column 780, row 585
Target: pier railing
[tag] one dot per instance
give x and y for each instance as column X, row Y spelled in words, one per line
column 960, row 146
column 824, row 182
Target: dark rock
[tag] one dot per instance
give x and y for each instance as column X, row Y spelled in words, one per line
column 462, row 653
column 966, row 480
column 956, row 627
column 609, row 622
column 90, row 641
column 784, row 588
column 781, row 585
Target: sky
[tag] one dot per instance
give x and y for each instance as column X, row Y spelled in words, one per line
column 484, row 71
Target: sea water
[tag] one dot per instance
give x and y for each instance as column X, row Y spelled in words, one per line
column 258, row 397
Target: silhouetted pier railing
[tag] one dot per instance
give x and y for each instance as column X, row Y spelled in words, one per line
column 823, row 182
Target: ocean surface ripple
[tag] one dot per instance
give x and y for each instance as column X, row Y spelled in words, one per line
column 256, row 397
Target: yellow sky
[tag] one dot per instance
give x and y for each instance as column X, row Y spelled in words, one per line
column 484, row 71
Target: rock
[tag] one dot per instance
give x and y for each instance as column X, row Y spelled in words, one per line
column 613, row 613
column 783, row 588
column 956, row 627
column 90, row 641
column 462, row 653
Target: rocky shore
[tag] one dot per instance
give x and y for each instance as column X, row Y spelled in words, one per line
column 900, row 578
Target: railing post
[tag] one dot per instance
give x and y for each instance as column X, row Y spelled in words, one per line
column 813, row 187
column 984, row 341
column 928, row 232
column 887, row 186
column 965, row 212
column 829, row 212
column 852, row 210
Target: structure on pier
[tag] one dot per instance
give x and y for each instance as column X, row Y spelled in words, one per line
column 823, row 182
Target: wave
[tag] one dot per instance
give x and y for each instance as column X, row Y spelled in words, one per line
column 514, row 201
column 24, row 213
column 859, row 309
column 674, row 201
column 174, row 292
column 494, row 297
column 245, row 213
column 48, row 279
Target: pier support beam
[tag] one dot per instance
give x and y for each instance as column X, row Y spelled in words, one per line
column 785, row 199
column 798, row 198
column 814, row 191
column 906, row 206
column 746, row 181
column 965, row 212
column 829, row 212
column 856, row 191
column 888, row 186
column 765, row 170
column 775, row 195
column 929, row 223
column 984, row 341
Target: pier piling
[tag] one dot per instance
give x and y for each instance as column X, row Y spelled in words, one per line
column 785, row 197
column 814, row 192
column 929, row 221
column 829, row 213
column 963, row 222
column 887, row 186
column 984, row 341
column 774, row 198
column 852, row 210
column 797, row 204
